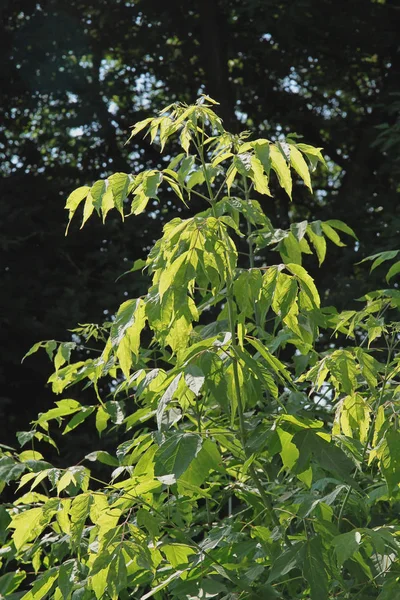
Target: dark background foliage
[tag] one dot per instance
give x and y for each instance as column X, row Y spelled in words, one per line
column 75, row 75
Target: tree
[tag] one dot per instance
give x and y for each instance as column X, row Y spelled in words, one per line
column 76, row 75
column 248, row 463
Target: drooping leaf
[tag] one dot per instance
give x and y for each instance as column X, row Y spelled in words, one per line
column 346, row 545
column 42, row 585
column 291, row 559
column 390, row 459
column 300, row 166
column 394, row 270
column 74, row 200
column 314, row 569
column 176, row 453
column 281, row 168
column 177, row 554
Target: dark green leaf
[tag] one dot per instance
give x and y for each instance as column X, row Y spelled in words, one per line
column 176, row 453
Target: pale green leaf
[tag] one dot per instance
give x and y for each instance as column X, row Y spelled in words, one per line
column 300, row 166
column 261, row 149
column 177, row 554
column 79, row 512
column 27, row 525
column 102, row 418
column 230, row 177
column 88, row 208
column 151, row 182
column 42, row 585
column 281, row 168
column 259, row 177
column 120, row 184
column 306, row 282
column 314, row 232
column 73, row 201
column 299, row 229
column 64, row 408
column 140, row 126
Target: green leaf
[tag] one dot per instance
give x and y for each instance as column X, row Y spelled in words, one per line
column 261, row 149
column 42, row 585
column 306, row 282
column 66, row 578
column 195, row 178
column 300, row 166
column 64, row 408
column 336, row 224
column 139, row 203
column 299, row 229
column 370, row 367
column 151, row 183
column 258, row 176
column 331, row 234
column 74, row 200
column 33, row 350
column 77, row 419
column 120, row 184
column 290, row 250
column 208, row 459
column 176, row 453
column 27, row 526
column 194, row 378
column 394, row 269
column 10, row 582
column 381, row 257
column 288, row 452
column 79, row 512
column 276, row 365
column 242, row 163
column 285, row 295
column 290, row 559
column 314, row 232
column 10, row 469
column 140, row 126
column 123, row 320
column 167, row 396
column 147, row 520
column 104, row 457
column 327, row 455
column 281, row 168
column 314, row 569
column 177, row 554
column 312, row 153
column 346, row 545
column 102, row 418
column 390, row 460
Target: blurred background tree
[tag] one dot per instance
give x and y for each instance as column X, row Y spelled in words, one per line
column 75, row 75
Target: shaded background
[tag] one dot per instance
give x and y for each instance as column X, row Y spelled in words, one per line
column 74, row 75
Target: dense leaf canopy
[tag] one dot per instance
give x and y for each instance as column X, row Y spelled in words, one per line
column 240, row 456
column 75, row 75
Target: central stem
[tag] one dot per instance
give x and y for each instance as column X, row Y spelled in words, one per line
column 232, row 326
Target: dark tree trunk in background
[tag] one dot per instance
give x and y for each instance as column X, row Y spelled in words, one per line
column 214, row 41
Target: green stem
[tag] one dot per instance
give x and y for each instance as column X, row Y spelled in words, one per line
column 240, row 407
